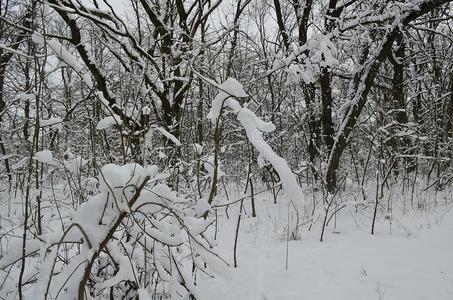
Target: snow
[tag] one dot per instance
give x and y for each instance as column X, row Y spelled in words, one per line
column 161, row 155
column 409, row 257
column 146, row 110
column 350, row 264
column 169, row 136
column 165, row 193
column 19, row 164
column 4, row 157
column 50, row 122
column 15, row 252
column 37, row 38
column 116, row 176
column 202, row 207
column 233, row 88
column 127, row 269
column 64, row 56
column 165, row 238
column 151, row 171
column 198, row 148
column 108, row 122
column 209, row 167
column 254, row 128
column 74, row 165
column 230, row 88
column 45, row 156
column 143, row 294
column 26, row 96
column 139, row 232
